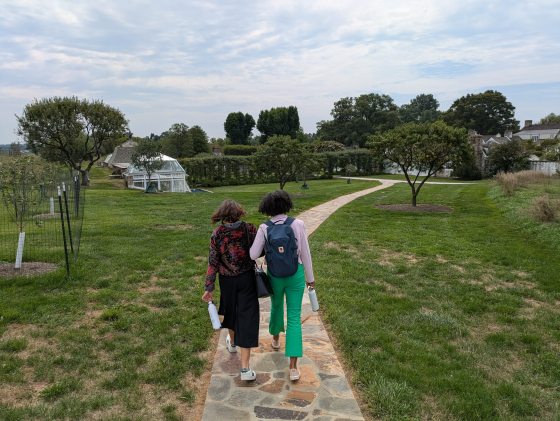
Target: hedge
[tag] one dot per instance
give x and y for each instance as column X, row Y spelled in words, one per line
column 234, row 170
column 239, row 150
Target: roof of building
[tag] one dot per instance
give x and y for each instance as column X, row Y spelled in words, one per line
column 533, row 127
column 122, row 154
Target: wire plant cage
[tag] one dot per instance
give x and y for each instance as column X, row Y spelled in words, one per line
column 41, row 216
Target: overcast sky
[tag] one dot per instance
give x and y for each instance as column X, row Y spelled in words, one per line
column 193, row 62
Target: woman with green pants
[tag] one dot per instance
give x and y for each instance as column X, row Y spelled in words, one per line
column 276, row 205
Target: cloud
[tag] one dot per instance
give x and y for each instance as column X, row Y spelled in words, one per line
column 196, row 61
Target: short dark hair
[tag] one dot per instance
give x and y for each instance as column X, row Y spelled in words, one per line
column 276, row 203
column 228, row 211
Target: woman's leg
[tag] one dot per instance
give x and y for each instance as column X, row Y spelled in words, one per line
column 276, row 324
column 295, row 285
column 245, row 356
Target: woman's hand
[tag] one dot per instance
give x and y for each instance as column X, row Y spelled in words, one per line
column 207, row 296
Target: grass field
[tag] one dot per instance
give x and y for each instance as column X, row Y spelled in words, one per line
column 437, row 316
column 445, row 316
column 127, row 336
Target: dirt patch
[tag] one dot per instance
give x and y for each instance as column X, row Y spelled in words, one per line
column 418, row 208
column 390, row 258
column 27, row 269
column 331, row 245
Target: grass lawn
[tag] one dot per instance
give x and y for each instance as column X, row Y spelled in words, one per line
column 127, row 336
column 403, row 178
column 445, row 316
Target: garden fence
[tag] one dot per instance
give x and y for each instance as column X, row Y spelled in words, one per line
column 51, row 219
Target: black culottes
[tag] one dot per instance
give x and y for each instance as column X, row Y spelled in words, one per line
column 240, row 307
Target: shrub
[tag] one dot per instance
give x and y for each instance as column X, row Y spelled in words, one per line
column 239, row 150
column 508, row 182
column 545, row 209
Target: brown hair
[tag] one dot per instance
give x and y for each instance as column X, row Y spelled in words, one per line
column 228, row 211
column 276, row 203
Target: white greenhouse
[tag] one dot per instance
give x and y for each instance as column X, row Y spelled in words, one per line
column 171, row 177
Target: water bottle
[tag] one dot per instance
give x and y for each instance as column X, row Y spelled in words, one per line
column 313, row 299
column 214, row 318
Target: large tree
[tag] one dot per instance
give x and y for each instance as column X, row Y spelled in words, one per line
column 421, row 109
column 551, row 119
column 282, row 157
column 199, row 140
column 238, row 127
column 421, row 148
column 281, row 121
column 487, row 113
column 354, row 119
column 71, row 131
column 177, row 142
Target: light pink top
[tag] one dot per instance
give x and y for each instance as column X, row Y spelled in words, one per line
column 304, row 255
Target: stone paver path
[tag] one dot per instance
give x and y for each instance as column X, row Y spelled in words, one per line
column 322, row 393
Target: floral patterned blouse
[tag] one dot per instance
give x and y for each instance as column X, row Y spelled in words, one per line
column 229, row 251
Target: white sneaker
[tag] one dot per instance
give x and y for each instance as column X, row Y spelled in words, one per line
column 248, row 375
column 231, row 348
column 294, row 374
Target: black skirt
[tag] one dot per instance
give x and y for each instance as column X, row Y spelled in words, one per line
column 240, row 307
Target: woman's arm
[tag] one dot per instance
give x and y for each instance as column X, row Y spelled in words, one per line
column 258, row 245
column 213, row 264
column 305, row 253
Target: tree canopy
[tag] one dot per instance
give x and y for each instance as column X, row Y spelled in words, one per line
column 71, row 131
column 354, row 119
column 238, row 127
column 487, row 113
column 418, row 148
column 421, row 109
column 282, row 157
column 551, row 119
column 177, row 141
column 147, row 156
column 507, row 157
column 281, row 121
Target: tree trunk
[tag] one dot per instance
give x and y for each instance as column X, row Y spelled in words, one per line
column 414, row 194
column 85, row 177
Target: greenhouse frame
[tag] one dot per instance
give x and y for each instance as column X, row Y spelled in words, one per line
column 171, row 177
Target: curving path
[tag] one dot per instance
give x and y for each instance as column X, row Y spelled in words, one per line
column 322, row 393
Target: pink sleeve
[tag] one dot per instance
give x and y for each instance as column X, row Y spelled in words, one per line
column 258, row 245
column 304, row 252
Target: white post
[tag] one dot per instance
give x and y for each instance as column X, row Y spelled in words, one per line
column 19, row 253
column 52, row 205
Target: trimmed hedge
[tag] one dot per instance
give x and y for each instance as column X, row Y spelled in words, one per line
column 235, row 170
column 239, row 150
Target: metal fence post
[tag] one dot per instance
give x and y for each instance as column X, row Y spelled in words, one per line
column 63, row 230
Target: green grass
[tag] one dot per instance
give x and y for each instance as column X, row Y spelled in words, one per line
column 403, row 178
column 444, row 316
column 127, row 334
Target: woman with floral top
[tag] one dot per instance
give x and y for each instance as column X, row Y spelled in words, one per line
column 229, row 256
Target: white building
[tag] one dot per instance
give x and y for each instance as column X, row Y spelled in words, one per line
column 171, row 177
column 538, row 132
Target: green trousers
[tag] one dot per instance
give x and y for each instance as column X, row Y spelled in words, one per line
column 292, row 288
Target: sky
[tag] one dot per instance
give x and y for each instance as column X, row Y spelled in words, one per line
column 194, row 62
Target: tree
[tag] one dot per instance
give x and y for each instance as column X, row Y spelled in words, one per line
column 551, row 119
column 421, row 147
column 507, row 157
column 177, row 141
column 422, row 109
column 487, row 113
column 327, row 146
column 354, row 119
column 199, row 140
column 238, row 127
column 147, row 156
column 71, row 131
column 281, row 121
column 281, row 157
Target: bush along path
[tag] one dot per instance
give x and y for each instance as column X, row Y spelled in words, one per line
column 322, row 393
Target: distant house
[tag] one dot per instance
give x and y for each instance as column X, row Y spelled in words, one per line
column 482, row 144
column 121, row 157
column 538, row 132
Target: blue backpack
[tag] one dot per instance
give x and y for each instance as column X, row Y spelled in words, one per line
column 281, row 248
